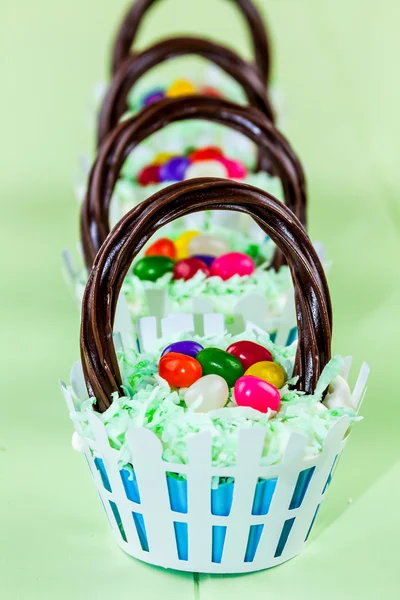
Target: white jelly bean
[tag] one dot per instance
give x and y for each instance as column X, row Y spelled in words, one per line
column 207, row 393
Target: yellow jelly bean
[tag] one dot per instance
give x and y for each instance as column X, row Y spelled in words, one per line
column 268, row 371
column 181, row 87
column 162, row 157
column 182, row 243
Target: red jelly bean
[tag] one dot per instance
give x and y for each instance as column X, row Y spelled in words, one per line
column 249, row 353
column 210, row 91
column 150, row 174
column 162, row 247
column 188, row 267
column 209, row 153
column 179, row 370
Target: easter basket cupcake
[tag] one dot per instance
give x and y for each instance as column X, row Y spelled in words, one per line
column 158, row 290
column 211, row 452
column 125, row 95
column 166, row 154
column 126, row 37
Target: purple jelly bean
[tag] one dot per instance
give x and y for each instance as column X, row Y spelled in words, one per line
column 206, row 258
column 187, row 347
column 153, row 96
column 174, row 169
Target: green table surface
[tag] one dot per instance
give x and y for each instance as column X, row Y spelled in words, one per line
column 337, row 67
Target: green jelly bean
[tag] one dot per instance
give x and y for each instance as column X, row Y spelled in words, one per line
column 218, row 362
column 151, row 268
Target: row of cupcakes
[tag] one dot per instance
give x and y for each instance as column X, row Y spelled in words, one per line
column 202, row 384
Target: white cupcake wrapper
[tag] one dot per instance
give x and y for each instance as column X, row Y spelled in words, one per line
column 172, row 515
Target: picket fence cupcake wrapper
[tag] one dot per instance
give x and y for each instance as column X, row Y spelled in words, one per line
column 171, row 515
column 127, row 34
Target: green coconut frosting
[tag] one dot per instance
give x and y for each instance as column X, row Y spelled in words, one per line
column 149, row 402
column 223, row 295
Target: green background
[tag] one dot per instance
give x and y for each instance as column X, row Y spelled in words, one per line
column 337, row 67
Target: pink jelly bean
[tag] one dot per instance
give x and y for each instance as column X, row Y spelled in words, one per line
column 236, row 170
column 233, row 263
column 256, row 393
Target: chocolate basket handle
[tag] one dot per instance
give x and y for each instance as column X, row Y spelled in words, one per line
column 99, row 361
column 115, row 103
column 130, row 25
column 128, row 134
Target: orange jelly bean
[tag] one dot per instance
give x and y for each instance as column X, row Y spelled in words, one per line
column 162, row 247
column 179, row 370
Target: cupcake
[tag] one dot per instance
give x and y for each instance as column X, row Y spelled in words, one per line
column 131, row 90
column 202, row 442
column 141, row 80
column 229, row 292
column 188, row 147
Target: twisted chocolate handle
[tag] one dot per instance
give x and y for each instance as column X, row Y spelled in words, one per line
column 127, row 34
column 134, row 67
column 128, row 134
column 99, row 361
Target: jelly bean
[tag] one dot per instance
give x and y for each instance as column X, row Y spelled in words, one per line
column 162, row 157
column 174, row 169
column 209, row 153
column 206, row 258
column 148, row 175
column 153, row 96
column 268, row 371
column 179, row 370
column 207, row 393
column 182, row 243
column 249, row 353
column 187, row 347
column 256, row 393
column 253, row 250
column 206, row 168
column 152, row 268
column 210, row 91
column 188, row 267
column 181, row 87
column 233, row 263
column 162, row 247
column 207, row 244
column 218, row 362
column 235, row 169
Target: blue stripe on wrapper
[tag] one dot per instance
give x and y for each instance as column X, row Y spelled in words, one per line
column 221, row 499
column 130, row 484
column 265, row 489
column 253, row 541
column 330, row 475
column 284, row 537
column 292, row 336
column 312, row 522
column 118, row 520
column 177, row 490
column 300, row 490
column 103, row 473
column 181, row 537
column 218, row 541
column 141, row 530
column 221, row 504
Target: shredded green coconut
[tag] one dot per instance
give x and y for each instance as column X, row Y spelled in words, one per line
column 150, row 403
